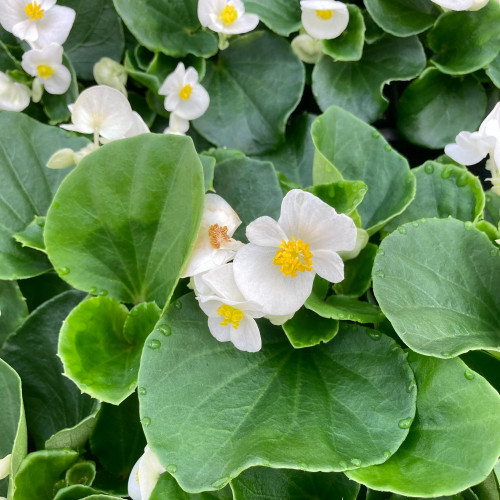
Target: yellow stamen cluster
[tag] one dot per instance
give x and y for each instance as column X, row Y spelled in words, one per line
column 231, row 315
column 185, row 92
column 228, row 15
column 44, row 71
column 293, row 255
column 218, row 235
column 34, row 11
column 324, row 14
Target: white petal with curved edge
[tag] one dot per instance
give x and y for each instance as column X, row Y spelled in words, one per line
column 134, row 490
column 308, row 49
column 491, row 124
column 26, row 30
column 174, row 81
column 329, row 265
column 218, row 211
column 5, row 466
column 221, row 281
column 266, row 232
column 191, row 76
column 138, row 126
column 247, row 336
column 55, row 26
column 470, row 148
column 320, row 28
column 279, row 320
column 177, row 125
column 244, row 24
column 13, row 96
column 205, row 9
column 11, row 13
column 59, row 82
column 172, row 102
column 195, row 106
column 455, row 4
column 221, row 333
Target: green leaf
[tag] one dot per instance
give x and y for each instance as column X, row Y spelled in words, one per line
column 453, row 442
column 492, row 208
column 442, row 191
column 283, row 484
column 479, row 28
column 52, row 401
column 7, row 60
column 488, row 489
column 169, row 27
column 167, row 487
column 27, row 186
column 42, row 288
column 81, row 473
column 441, row 300
column 349, row 45
column 343, row 196
column 248, row 108
column 358, row 152
column 217, row 422
column 74, row 492
column 357, row 86
column 403, row 17
column 32, row 236
column 373, row 31
column 208, row 163
column 100, row 345
column 493, row 71
column 74, row 437
column 13, row 309
column 97, row 32
column 111, row 228
column 307, row 329
column 435, row 107
column 281, row 16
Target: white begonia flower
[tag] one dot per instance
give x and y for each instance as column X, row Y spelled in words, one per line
column 214, row 245
column 110, row 73
column 324, row 19
column 184, row 95
column 144, row 476
column 177, row 125
column 226, row 16
column 47, row 68
column 230, row 315
column 40, row 22
column 461, row 4
column 308, row 49
column 5, row 466
column 13, row 96
column 278, row 266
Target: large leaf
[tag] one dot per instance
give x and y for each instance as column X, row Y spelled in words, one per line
column 493, row 71
column 13, row 309
column 237, row 410
column 282, row 16
column 437, row 282
column 114, row 226
column 453, row 442
column 167, row 487
column 170, row 27
column 357, row 151
column 27, row 186
column 249, row 107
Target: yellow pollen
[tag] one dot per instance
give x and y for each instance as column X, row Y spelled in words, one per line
column 137, row 476
column 218, row 235
column 228, row 15
column 45, row 71
column 293, row 256
column 34, row 11
column 185, row 92
column 324, row 14
column 231, row 315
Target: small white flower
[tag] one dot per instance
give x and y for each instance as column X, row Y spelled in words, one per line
column 177, row 125
column 13, row 96
column 226, row 16
column 214, row 245
column 230, row 315
column 184, row 95
column 40, row 22
column 110, row 73
column 144, row 476
column 47, row 68
column 324, row 19
column 308, row 49
column 278, row 266
column 461, row 4
column 5, row 466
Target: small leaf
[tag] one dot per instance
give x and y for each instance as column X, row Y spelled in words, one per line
column 32, row 236
column 343, row 196
column 493, row 71
column 281, row 16
column 492, row 208
column 81, row 473
column 13, row 309
column 307, row 329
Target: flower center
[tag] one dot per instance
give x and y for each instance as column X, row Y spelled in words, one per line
column 218, row 235
column 45, row 71
column 293, row 256
column 231, row 315
column 228, row 15
column 185, row 92
column 324, row 14
column 34, row 11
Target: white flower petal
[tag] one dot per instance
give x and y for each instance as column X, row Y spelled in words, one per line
column 59, row 82
column 150, row 470
column 322, row 28
column 174, row 82
column 491, row 124
column 221, row 282
column 205, row 9
column 26, row 30
column 247, row 336
column 191, row 76
column 5, row 466
column 265, row 232
column 329, row 265
column 244, row 24
column 470, row 148
column 455, row 4
column 13, row 96
column 62, row 158
column 11, row 13
column 177, row 125
column 221, row 333
column 308, row 49
column 279, row 320
column 138, row 126
column 195, row 105
column 55, row 26
column 134, row 490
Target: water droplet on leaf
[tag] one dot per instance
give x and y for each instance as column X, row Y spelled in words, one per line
column 146, row 421
column 343, row 464
column 388, row 147
column 429, row 168
column 387, row 454
column 379, row 274
column 103, row 293
column 405, row 423
column 381, row 252
column 469, row 375
column 164, row 329
column 93, row 290
column 462, row 180
column 220, row 482
column 63, row 271
column 178, row 304
column 172, row 468
column 402, row 229
column 374, row 335
column 142, row 391
column 375, row 135
column 154, row 344
column 356, row 462
column 446, row 172
column 410, row 386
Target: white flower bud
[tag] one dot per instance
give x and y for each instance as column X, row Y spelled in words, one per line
column 110, row 73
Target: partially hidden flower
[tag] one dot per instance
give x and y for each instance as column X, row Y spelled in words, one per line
column 144, row 476
column 47, row 68
column 111, row 73
column 66, row 157
column 230, row 315
column 13, row 96
column 324, row 19
column 184, row 96
column 278, row 266
column 308, row 49
column 5, row 466
column 226, row 16
column 461, row 4
column 40, row 22
column 177, row 125
column 214, row 245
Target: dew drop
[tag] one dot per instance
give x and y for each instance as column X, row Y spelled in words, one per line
column 220, row 482
column 164, row 329
column 154, row 344
column 103, row 293
column 40, row 222
column 414, row 223
column 446, row 172
column 402, row 229
column 146, row 421
column 93, row 290
column 55, row 205
column 172, row 468
column 341, row 316
column 381, row 252
column 356, row 462
column 488, row 198
column 462, row 180
column 343, row 464
column 469, row 375
column 395, row 348
column 410, row 386
column 387, row 454
column 379, row 274
column 469, row 225
column 388, row 147
column 405, row 423
column 178, row 304
column 375, row 135
column 303, row 465
column 494, row 252
column 63, row 271
column 374, row 335
column 429, row 168
column 142, row 391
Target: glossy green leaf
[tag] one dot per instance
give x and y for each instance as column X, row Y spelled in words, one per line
column 479, row 28
column 286, row 484
column 492, row 207
column 81, row 473
column 7, row 60
column 13, row 309
column 281, row 16
column 435, row 107
column 349, row 45
column 248, row 108
column 441, row 300
column 208, row 163
column 343, row 196
column 27, row 186
column 167, row 487
column 484, row 363
column 493, row 70
column 261, row 408
column 443, row 191
column 42, row 288
column 373, row 31
column 75, row 437
column 169, row 27
column 488, row 489
column 403, row 17
column 357, row 86
column 337, row 136
column 74, row 492
column 446, row 450
column 32, row 236
column 100, row 345
column 112, row 229
column 307, row 329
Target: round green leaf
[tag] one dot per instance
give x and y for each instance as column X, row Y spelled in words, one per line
column 32, row 235
column 281, row 16
column 343, row 196
column 435, row 107
column 13, row 309
column 437, row 282
column 74, row 492
column 493, row 71
column 237, row 410
column 114, row 224
column 81, row 473
column 453, row 442
column 248, row 107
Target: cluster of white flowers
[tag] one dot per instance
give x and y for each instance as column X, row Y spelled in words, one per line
column 273, row 274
